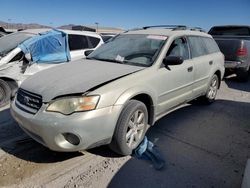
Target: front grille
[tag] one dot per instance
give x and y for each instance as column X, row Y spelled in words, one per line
column 30, row 102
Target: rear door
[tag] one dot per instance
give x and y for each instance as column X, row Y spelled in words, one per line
column 203, row 63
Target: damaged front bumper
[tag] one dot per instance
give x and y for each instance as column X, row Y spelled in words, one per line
column 73, row 132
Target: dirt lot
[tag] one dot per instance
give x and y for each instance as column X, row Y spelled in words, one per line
column 204, row 146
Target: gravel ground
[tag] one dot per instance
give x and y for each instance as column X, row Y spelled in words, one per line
column 204, row 146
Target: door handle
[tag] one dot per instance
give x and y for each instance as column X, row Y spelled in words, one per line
column 211, row 62
column 190, row 69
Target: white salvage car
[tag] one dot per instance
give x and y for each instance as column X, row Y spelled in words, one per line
column 21, row 57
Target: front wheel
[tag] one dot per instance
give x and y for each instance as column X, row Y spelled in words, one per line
column 5, row 93
column 131, row 128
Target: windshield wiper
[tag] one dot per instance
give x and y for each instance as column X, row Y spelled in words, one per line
column 134, row 63
column 117, row 61
column 104, row 59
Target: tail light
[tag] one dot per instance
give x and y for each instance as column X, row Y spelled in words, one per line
column 242, row 52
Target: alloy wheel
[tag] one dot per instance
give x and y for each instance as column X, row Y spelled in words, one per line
column 136, row 126
column 212, row 91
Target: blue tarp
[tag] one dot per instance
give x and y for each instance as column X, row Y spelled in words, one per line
column 48, row 47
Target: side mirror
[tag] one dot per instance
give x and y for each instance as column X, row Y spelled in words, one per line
column 172, row 60
column 87, row 52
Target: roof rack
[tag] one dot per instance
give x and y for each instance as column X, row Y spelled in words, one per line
column 197, row 29
column 165, row 26
column 175, row 27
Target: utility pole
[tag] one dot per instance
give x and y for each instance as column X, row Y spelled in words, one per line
column 97, row 26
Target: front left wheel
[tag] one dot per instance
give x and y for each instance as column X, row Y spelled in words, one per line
column 131, row 128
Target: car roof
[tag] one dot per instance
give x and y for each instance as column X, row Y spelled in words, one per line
column 41, row 30
column 167, row 32
column 231, row 26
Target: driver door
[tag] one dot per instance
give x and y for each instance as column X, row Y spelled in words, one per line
column 175, row 81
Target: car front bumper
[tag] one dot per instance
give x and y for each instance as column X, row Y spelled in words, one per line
column 92, row 128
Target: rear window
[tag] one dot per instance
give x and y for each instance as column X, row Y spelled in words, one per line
column 241, row 31
column 93, row 41
column 198, row 48
column 211, row 45
column 105, row 38
column 77, row 42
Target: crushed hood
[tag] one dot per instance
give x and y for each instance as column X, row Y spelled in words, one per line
column 75, row 77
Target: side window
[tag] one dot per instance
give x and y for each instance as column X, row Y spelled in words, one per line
column 198, row 47
column 211, row 45
column 179, row 48
column 17, row 57
column 93, row 41
column 77, row 42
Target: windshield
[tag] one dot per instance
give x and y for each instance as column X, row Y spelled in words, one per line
column 11, row 41
column 133, row 49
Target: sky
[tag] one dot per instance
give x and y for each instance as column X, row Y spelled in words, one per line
column 127, row 14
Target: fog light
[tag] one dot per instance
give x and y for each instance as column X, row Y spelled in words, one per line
column 71, row 138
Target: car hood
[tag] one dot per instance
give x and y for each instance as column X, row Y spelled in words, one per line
column 75, row 77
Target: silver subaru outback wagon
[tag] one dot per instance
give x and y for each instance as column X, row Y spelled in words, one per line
column 120, row 90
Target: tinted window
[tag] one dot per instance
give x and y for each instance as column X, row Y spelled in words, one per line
column 93, row 41
column 197, row 46
column 230, row 31
column 211, row 45
column 105, row 38
column 179, row 48
column 17, row 57
column 77, row 42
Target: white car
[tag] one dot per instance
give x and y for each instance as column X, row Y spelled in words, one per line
column 16, row 67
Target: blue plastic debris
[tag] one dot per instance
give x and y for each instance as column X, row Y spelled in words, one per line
column 148, row 151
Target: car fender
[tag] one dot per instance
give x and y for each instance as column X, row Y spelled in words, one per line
column 134, row 91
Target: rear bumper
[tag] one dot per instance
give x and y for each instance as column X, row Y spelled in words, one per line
column 235, row 64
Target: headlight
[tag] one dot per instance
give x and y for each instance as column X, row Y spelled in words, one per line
column 73, row 104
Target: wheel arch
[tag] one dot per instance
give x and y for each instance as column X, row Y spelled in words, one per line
column 146, row 97
column 11, row 82
column 147, row 100
column 218, row 73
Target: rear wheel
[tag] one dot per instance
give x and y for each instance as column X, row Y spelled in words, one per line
column 5, row 93
column 131, row 128
column 211, row 93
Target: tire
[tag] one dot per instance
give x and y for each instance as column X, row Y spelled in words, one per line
column 242, row 75
column 131, row 127
column 5, row 93
column 211, row 93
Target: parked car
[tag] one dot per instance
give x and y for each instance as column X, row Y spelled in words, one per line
column 15, row 66
column 120, row 90
column 234, row 42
